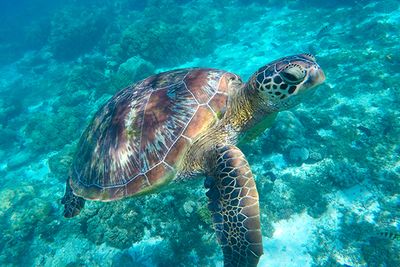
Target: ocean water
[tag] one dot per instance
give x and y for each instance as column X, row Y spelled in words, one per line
column 327, row 171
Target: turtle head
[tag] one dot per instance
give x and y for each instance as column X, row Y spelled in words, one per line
column 285, row 82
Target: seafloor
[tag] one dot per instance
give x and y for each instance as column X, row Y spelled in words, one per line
column 327, row 171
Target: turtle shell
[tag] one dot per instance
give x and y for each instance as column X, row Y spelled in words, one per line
column 137, row 140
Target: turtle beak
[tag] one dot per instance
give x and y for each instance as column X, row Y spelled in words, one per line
column 317, row 76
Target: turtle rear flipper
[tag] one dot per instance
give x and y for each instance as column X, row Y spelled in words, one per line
column 72, row 203
column 233, row 202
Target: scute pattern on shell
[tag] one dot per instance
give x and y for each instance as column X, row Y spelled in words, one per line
column 136, row 139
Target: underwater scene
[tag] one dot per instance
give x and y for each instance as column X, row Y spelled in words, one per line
column 326, row 164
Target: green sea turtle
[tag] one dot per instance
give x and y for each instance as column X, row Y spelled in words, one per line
column 184, row 122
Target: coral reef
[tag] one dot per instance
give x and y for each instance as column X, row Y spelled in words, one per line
column 327, row 172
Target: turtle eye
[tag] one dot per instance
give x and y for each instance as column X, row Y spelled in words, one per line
column 293, row 74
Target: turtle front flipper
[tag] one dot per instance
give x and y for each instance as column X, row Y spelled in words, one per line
column 72, row 203
column 233, row 202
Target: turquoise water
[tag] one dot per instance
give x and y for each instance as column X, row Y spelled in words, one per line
column 327, row 172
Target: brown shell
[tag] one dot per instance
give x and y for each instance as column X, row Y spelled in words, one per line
column 137, row 139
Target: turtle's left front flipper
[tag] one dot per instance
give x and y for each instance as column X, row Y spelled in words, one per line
column 233, row 202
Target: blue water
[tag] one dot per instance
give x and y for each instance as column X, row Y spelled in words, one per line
column 327, row 171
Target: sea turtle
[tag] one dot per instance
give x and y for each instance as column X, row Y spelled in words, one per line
column 185, row 122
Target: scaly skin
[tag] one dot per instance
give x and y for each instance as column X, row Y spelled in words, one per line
column 210, row 149
column 245, row 110
column 251, row 108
